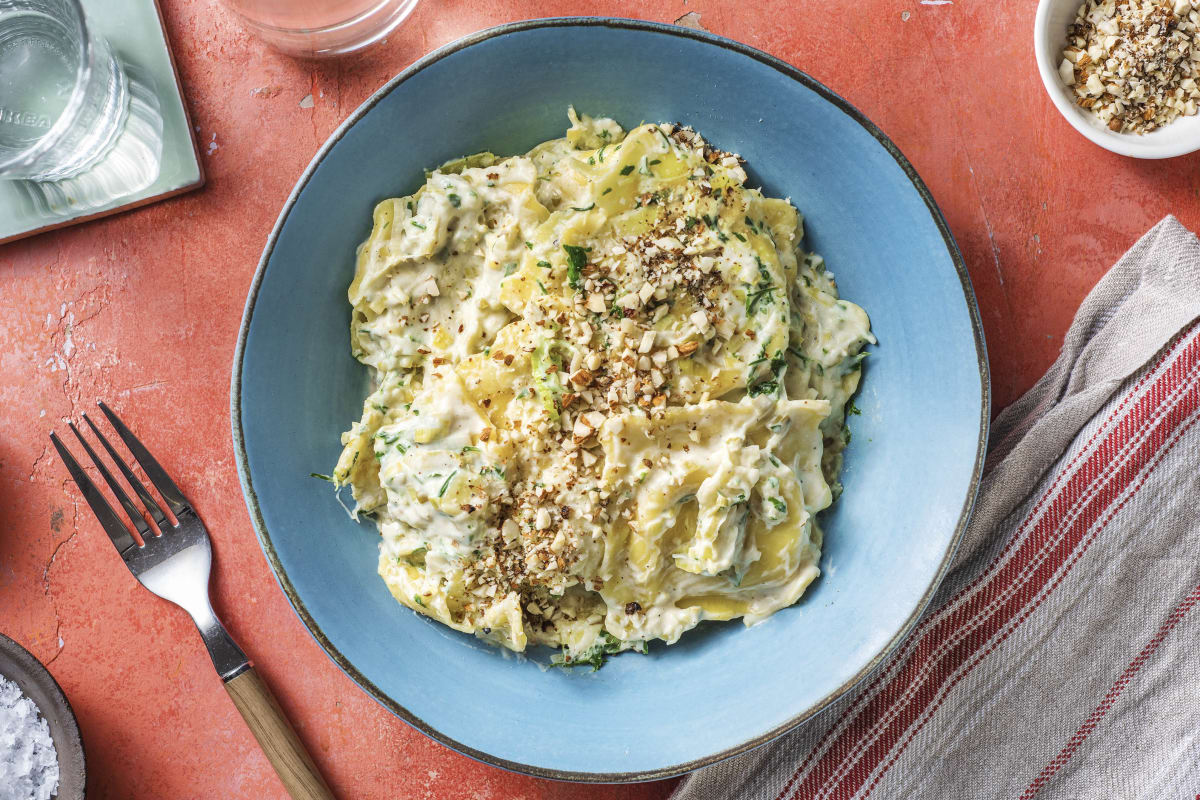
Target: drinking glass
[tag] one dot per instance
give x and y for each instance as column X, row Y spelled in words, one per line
column 63, row 96
column 309, row 28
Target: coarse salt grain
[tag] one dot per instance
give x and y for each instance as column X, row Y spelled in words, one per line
column 28, row 760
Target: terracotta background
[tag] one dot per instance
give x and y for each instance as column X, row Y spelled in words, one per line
column 142, row 309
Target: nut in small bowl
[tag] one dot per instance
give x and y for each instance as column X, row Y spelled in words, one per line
column 1124, row 73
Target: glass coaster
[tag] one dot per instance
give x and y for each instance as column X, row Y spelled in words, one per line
column 155, row 156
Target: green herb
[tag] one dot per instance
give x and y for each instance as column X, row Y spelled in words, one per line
column 690, row 223
column 544, row 264
column 543, row 288
column 591, row 161
column 600, row 154
column 595, row 656
column 739, row 236
column 418, row 601
column 845, row 435
column 529, row 245
column 454, row 199
column 780, row 506
column 416, row 224
column 410, row 207
column 625, row 170
column 753, row 297
column 510, row 268
column 750, row 224
column 771, row 385
column 644, row 168
column 379, row 408
column 470, row 449
column 446, row 484
column 852, row 409
column 576, row 260
column 588, row 208
column 320, row 476
column 606, row 191
column 655, row 161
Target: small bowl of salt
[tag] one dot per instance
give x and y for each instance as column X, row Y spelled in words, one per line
column 41, row 753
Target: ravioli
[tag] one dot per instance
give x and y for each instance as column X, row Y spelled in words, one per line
column 609, row 393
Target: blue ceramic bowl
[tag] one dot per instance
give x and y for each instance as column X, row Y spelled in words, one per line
column 910, row 475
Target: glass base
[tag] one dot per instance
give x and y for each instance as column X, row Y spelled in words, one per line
column 132, row 162
column 361, row 31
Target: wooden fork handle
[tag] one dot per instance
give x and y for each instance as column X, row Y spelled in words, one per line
column 276, row 737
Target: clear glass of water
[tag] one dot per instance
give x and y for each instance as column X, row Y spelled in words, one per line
column 63, row 97
column 312, row 28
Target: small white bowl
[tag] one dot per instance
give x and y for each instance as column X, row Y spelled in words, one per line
column 1049, row 38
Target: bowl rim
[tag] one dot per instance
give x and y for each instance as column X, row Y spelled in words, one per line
column 1122, row 144
column 68, row 743
column 251, row 498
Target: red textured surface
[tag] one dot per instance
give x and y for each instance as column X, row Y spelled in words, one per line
column 143, row 309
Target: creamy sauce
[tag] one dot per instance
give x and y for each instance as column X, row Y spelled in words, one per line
column 610, row 393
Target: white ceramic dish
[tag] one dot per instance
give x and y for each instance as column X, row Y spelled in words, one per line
column 1049, row 37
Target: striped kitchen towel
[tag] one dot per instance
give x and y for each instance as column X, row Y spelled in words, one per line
column 1061, row 657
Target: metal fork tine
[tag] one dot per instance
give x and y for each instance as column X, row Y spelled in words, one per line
column 157, row 475
column 132, row 511
column 156, row 512
column 122, row 539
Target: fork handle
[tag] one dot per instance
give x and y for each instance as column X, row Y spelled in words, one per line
column 275, row 735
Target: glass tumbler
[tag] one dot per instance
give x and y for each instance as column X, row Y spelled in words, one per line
column 63, row 96
column 311, row 28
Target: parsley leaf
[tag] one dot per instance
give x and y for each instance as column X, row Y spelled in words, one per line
column 576, row 260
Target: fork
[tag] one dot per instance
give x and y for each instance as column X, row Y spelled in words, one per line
column 175, row 565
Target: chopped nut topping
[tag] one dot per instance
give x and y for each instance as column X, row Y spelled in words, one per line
column 1134, row 63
